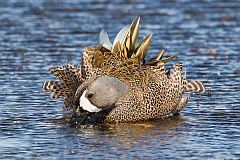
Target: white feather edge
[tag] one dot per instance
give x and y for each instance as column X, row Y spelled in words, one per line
column 121, row 36
column 87, row 105
column 104, row 39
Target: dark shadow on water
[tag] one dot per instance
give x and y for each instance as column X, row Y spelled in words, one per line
column 132, row 129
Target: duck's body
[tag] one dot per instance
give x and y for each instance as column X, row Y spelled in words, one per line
column 142, row 90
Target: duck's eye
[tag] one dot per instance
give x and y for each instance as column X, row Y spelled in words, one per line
column 89, row 95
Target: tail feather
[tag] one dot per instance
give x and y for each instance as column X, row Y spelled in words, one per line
column 57, row 89
column 69, row 74
column 69, row 78
column 195, row 86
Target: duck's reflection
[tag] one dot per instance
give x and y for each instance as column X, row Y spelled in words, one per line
column 130, row 134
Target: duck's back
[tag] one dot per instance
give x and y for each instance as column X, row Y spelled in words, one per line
column 154, row 96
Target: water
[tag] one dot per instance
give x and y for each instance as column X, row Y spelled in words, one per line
column 35, row 35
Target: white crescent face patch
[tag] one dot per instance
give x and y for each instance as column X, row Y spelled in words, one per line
column 87, row 105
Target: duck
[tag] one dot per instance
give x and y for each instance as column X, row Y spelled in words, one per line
column 115, row 83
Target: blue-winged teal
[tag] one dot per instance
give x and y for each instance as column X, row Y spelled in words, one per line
column 117, row 83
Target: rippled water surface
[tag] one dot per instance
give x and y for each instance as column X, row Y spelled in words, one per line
column 35, row 35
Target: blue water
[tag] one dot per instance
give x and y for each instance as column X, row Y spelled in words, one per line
column 35, row 35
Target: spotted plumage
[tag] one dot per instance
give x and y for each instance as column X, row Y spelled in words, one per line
column 151, row 91
column 69, row 78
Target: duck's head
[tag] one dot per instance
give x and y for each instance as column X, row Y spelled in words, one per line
column 100, row 93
